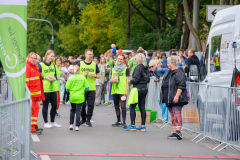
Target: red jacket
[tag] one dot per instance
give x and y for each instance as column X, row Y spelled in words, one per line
column 34, row 82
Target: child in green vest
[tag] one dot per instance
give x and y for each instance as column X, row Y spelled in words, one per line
column 120, row 78
column 76, row 85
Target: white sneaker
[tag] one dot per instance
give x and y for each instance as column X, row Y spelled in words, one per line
column 76, row 128
column 47, row 125
column 71, row 127
column 55, row 125
column 67, row 103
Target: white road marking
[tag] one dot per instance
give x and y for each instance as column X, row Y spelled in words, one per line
column 35, row 138
column 45, row 157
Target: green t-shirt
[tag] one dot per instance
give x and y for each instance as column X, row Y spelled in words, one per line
column 133, row 64
column 76, row 85
column 111, row 67
column 58, row 76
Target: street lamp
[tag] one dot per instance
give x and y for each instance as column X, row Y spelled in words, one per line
column 35, row 19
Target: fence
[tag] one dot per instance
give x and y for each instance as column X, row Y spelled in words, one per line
column 213, row 112
column 15, row 123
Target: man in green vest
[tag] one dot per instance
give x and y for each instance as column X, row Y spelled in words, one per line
column 92, row 73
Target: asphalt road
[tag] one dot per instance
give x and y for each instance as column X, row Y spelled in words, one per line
column 102, row 141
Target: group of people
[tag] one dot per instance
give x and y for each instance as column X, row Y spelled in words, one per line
column 85, row 81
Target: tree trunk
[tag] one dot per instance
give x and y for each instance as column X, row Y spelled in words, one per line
column 158, row 24
column 222, row 2
column 185, row 42
column 231, row 2
column 128, row 24
column 196, row 8
column 179, row 23
column 236, row 2
column 188, row 20
column 162, row 11
column 213, row 2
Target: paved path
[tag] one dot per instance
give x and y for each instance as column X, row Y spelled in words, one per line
column 103, row 142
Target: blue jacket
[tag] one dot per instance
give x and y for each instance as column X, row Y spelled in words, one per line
column 186, row 61
column 159, row 72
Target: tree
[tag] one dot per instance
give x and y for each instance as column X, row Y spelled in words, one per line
column 189, row 23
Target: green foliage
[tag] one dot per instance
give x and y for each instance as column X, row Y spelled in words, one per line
column 39, row 33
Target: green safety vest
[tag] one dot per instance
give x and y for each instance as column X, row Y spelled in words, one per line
column 121, row 86
column 49, row 71
column 76, row 85
column 91, row 69
column 58, row 75
column 217, row 61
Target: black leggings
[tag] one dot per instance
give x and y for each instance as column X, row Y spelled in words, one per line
column 116, row 99
column 141, row 105
column 52, row 97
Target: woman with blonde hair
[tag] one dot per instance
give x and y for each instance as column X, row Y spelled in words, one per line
column 140, row 79
column 35, row 86
column 174, row 94
column 49, row 76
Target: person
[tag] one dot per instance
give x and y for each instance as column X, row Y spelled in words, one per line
column 158, row 72
column 173, row 53
column 202, row 60
column 61, row 82
column 109, row 62
column 99, row 82
column 133, row 63
column 186, row 54
column 49, row 76
column 158, row 54
column 70, row 58
column 69, row 67
column 114, row 50
column 76, row 85
column 192, row 61
column 140, row 79
column 183, row 59
column 174, row 94
column 133, row 54
column 149, row 56
column 163, row 56
column 93, row 73
column 35, row 86
column 38, row 59
column 101, row 56
column 119, row 79
column 164, row 63
column 106, row 78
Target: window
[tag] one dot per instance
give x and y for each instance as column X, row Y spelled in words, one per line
column 204, row 66
column 215, row 54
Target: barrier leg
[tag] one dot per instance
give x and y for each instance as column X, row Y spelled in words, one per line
column 234, row 148
column 201, row 139
column 196, row 136
column 217, row 146
column 186, row 131
column 33, row 154
column 223, row 147
column 209, row 139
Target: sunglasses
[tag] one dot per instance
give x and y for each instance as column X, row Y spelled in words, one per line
column 150, row 67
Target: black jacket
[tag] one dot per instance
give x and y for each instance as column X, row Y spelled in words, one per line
column 140, row 77
column 176, row 81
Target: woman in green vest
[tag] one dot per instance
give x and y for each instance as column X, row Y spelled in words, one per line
column 76, row 85
column 50, row 85
column 119, row 79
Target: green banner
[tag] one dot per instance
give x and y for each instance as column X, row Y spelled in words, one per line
column 13, row 43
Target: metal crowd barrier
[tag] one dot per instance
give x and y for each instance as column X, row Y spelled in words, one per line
column 15, row 120
column 215, row 115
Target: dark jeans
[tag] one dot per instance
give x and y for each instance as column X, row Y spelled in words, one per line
column 141, row 105
column 52, row 97
column 76, row 108
column 90, row 100
column 116, row 99
column 64, row 96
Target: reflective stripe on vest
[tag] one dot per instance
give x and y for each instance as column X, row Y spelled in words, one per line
column 36, row 93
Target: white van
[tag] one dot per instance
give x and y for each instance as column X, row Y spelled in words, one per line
column 219, row 55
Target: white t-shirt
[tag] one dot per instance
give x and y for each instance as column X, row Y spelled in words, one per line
column 69, row 69
column 97, row 82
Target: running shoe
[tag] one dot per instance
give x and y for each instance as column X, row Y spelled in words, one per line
column 55, row 125
column 61, row 102
column 130, row 128
column 47, row 125
column 140, row 128
column 38, row 129
column 71, row 127
column 171, row 136
column 178, row 134
column 124, row 125
column 57, row 115
column 82, row 122
column 88, row 124
column 117, row 124
column 67, row 103
column 76, row 128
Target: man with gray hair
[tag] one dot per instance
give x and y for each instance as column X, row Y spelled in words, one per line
column 157, row 71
